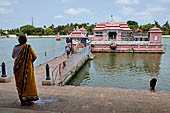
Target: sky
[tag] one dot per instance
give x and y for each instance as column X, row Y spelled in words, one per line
column 16, row 13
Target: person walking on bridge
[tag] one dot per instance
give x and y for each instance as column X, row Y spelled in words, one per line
column 23, row 70
column 68, row 50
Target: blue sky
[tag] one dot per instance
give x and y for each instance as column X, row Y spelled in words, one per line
column 16, row 13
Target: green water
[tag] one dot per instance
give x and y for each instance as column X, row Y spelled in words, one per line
column 126, row 70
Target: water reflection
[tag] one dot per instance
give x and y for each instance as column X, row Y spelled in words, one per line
column 111, row 63
column 84, row 76
column 121, row 70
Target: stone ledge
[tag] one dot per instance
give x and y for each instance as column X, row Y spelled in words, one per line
column 47, row 82
column 5, row 79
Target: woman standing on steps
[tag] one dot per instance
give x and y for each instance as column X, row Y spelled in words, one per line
column 23, row 69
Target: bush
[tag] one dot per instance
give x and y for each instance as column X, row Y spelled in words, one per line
column 92, row 45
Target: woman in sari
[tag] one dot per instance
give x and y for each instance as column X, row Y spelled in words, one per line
column 24, row 71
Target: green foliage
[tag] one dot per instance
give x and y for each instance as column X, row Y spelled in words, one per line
column 157, row 24
column 48, row 31
column 146, row 27
column 92, row 45
column 13, row 31
column 133, row 27
column 130, row 22
column 90, row 28
column 2, row 32
column 133, row 24
column 166, row 28
column 52, row 26
column 39, row 31
column 28, row 29
column 166, row 33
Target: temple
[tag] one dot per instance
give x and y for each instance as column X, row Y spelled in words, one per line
column 106, row 31
column 78, row 39
column 118, row 37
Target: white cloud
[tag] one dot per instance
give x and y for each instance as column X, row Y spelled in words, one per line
column 127, row 10
column 73, row 11
column 58, row 17
column 155, row 9
column 150, row 13
column 4, row 11
column 165, row 1
column 5, row 3
column 15, row 2
column 127, row 2
column 144, row 15
column 63, row 0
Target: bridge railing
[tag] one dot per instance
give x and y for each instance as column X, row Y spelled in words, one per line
column 65, row 65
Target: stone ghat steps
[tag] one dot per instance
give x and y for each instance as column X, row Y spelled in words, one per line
column 83, row 99
column 15, row 110
column 77, row 99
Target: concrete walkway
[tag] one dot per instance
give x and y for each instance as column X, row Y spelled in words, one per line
column 72, row 99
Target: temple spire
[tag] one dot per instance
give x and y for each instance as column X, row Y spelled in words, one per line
column 112, row 20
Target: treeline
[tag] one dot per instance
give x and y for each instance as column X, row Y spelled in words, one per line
column 165, row 27
column 51, row 30
column 67, row 29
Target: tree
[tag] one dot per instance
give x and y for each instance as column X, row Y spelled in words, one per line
column 133, row 27
column 60, row 29
column 28, row 29
column 45, row 27
column 52, row 26
column 90, row 28
column 48, row 31
column 130, row 22
column 39, row 31
column 133, row 24
column 166, row 28
column 2, row 32
column 146, row 27
column 14, row 31
column 157, row 24
column 68, row 29
column 165, row 33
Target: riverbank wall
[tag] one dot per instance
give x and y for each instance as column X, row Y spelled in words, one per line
column 72, row 72
column 126, row 47
column 165, row 36
column 62, row 36
column 42, row 36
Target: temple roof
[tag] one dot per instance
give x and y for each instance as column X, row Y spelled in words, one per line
column 83, row 30
column 78, row 34
column 138, row 30
column 155, row 29
column 112, row 26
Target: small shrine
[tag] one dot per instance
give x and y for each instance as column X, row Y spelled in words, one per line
column 155, row 35
column 58, row 38
column 77, row 39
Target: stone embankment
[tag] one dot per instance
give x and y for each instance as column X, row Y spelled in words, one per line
column 78, row 99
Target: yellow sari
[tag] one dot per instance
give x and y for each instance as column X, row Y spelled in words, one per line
column 24, row 74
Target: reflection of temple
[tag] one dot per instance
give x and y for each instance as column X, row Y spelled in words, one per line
column 152, row 65
column 142, row 63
